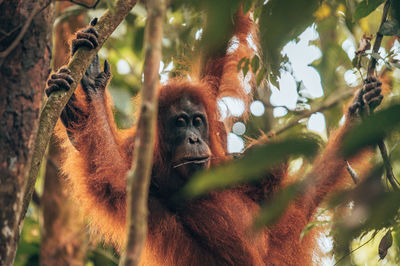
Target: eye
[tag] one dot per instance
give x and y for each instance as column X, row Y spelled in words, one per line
column 180, row 122
column 197, row 121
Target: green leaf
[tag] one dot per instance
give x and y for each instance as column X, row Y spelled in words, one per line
column 247, row 4
column 390, row 28
column 255, row 63
column 280, row 22
column 234, row 7
column 272, row 211
column 373, row 201
column 239, row 66
column 257, row 12
column 395, row 10
column 138, row 38
column 365, row 8
column 371, row 130
column 219, row 26
column 246, row 67
column 310, row 226
column 252, row 166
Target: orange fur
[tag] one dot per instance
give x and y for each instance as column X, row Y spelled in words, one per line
column 222, row 72
column 213, row 230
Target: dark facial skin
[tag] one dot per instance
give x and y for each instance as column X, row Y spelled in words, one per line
column 187, row 137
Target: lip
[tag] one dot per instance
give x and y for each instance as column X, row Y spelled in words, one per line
column 192, row 160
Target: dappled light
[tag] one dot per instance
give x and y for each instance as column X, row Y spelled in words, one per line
column 276, row 139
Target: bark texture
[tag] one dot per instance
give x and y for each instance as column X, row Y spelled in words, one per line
column 64, row 239
column 138, row 179
column 23, row 74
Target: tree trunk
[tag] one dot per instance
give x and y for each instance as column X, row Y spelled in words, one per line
column 64, row 240
column 24, row 68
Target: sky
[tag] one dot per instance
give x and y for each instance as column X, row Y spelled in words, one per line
column 300, row 54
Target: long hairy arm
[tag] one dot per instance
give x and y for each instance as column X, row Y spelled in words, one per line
column 96, row 154
column 329, row 174
column 221, row 67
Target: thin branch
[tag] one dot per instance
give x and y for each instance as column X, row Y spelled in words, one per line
column 138, row 179
column 337, row 262
column 352, row 173
column 56, row 102
column 8, row 34
column 371, row 69
column 328, row 104
column 378, row 39
column 21, row 34
column 388, row 166
column 93, row 6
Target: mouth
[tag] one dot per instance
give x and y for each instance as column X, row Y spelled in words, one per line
column 192, row 160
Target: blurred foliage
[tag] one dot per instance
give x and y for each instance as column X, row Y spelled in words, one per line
column 365, row 7
column 276, row 28
column 194, row 26
column 255, row 162
column 29, row 243
column 373, row 129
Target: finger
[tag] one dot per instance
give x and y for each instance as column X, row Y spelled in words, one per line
column 92, row 31
column 370, row 79
column 353, row 108
column 375, row 101
column 93, row 22
column 74, row 111
column 370, row 86
column 358, row 96
column 64, row 70
column 101, row 81
column 94, row 68
column 63, row 84
column 67, row 117
column 106, row 67
column 71, row 114
column 87, row 85
column 77, row 43
column 372, row 94
column 52, row 89
column 82, row 42
column 89, row 36
column 67, row 77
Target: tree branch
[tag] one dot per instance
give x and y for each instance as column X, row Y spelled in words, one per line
column 378, row 39
column 92, row 6
column 56, row 102
column 371, row 69
column 328, row 104
column 139, row 176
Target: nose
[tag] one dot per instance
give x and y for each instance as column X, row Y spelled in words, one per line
column 193, row 139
